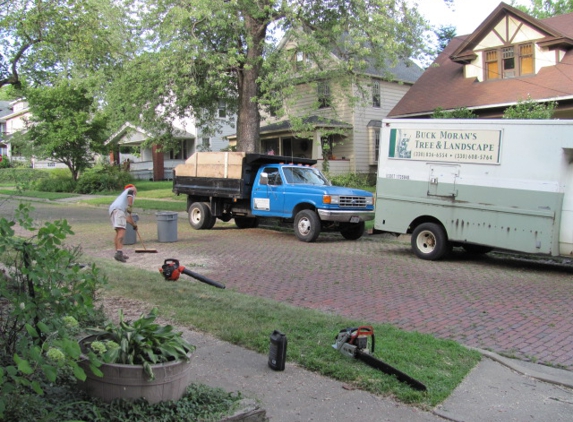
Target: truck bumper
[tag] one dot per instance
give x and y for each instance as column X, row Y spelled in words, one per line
column 350, row 216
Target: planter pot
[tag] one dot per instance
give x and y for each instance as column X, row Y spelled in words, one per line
column 130, row 382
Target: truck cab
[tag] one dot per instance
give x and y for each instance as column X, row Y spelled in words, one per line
column 286, row 190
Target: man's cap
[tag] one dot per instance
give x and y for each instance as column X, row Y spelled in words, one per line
column 130, row 186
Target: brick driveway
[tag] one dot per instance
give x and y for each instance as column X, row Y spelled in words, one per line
column 497, row 302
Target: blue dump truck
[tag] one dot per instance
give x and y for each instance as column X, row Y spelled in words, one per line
column 248, row 187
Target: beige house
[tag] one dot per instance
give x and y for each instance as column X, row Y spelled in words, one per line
column 510, row 57
column 349, row 133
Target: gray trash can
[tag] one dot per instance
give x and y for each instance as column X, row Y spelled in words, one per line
column 130, row 237
column 166, row 226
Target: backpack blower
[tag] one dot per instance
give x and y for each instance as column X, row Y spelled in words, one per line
column 171, row 270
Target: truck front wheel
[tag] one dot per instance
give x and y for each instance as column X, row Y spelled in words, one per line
column 200, row 216
column 430, row 242
column 353, row 231
column 307, row 226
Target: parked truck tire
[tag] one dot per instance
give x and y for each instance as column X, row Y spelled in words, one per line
column 430, row 241
column 353, row 231
column 307, row 225
column 200, row 216
column 246, row 222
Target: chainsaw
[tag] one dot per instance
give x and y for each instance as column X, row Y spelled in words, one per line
column 171, row 270
column 354, row 343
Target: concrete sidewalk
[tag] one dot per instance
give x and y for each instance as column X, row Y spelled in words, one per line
column 498, row 389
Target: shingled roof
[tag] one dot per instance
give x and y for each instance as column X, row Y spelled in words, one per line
column 444, row 85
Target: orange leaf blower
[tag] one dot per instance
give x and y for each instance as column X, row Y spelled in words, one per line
column 171, row 270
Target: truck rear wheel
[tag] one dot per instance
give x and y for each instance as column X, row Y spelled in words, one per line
column 200, row 216
column 353, row 231
column 307, row 226
column 429, row 241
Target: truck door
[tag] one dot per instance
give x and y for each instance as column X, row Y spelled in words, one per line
column 442, row 180
column 268, row 200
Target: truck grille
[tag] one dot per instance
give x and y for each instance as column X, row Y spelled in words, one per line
column 352, row 201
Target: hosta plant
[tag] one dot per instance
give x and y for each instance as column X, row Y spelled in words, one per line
column 141, row 342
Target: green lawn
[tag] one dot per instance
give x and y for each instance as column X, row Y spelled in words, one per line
column 248, row 321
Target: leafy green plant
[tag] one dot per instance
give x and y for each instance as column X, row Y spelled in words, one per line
column 44, row 292
column 103, row 179
column 458, row 113
column 530, row 109
column 59, row 180
column 141, row 342
column 352, row 180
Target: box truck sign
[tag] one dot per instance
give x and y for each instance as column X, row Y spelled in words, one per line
column 459, row 146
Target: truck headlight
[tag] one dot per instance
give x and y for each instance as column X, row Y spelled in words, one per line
column 331, row 199
column 369, row 200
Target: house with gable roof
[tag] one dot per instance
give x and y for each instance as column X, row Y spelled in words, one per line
column 509, row 58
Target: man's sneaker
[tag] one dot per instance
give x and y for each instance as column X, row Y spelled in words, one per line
column 125, row 256
column 119, row 256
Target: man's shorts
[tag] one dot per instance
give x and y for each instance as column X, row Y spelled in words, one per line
column 118, row 220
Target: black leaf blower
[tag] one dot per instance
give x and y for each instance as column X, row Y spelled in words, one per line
column 171, row 270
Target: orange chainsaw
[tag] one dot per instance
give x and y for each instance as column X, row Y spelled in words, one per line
column 353, row 342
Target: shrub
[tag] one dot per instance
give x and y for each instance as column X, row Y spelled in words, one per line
column 24, row 177
column 103, row 179
column 5, row 163
column 44, row 293
column 59, row 180
column 352, row 180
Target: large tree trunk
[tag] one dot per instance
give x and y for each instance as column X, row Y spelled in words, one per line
column 248, row 116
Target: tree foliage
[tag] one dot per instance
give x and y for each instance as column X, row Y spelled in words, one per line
column 444, row 33
column 201, row 53
column 64, row 126
column 541, row 9
column 530, row 109
column 43, row 40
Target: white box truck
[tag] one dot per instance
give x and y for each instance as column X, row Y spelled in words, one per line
column 481, row 184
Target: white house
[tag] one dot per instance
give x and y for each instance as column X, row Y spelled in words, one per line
column 150, row 163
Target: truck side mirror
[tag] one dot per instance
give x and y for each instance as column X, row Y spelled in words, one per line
column 264, row 179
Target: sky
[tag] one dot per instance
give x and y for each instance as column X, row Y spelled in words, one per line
column 465, row 15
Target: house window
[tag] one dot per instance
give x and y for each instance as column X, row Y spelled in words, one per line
column 491, row 65
column 181, row 154
column 205, row 145
column 301, row 60
column 526, row 59
column 376, row 94
column 222, row 109
column 324, row 98
column 509, row 61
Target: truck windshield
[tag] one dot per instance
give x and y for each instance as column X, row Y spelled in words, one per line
column 305, row 175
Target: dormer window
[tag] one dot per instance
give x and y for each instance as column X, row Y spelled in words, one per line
column 504, row 63
column 301, row 60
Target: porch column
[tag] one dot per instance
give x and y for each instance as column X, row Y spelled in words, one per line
column 114, row 157
column 158, row 164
